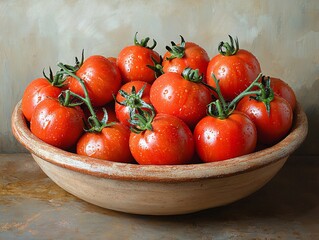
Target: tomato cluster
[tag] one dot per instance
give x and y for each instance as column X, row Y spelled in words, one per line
column 143, row 108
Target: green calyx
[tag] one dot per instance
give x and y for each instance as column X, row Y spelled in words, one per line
column 141, row 120
column 176, row 51
column 56, row 80
column 144, row 42
column 157, row 67
column 266, row 94
column 192, row 75
column 229, row 49
column 134, row 100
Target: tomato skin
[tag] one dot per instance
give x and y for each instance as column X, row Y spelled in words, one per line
column 235, row 73
column 170, row 142
column 102, row 79
column 282, row 89
column 195, row 57
column 111, row 144
column 132, row 62
column 56, row 124
column 270, row 128
column 123, row 112
column 100, row 113
column 38, row 90
column 174, row 95
column 220, row 139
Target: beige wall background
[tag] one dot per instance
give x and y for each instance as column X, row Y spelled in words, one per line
column 283, row 35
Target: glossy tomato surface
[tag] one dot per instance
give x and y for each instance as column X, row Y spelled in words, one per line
column 282, row 89
column 111, row 144
column 195, row 57
column 272, row 126
column 220, row 139
column 102, row 79
column 38, row 90
column 56, row 124
column 235, row 73
column 172, row 94
column 169, row 142
column 133, row 63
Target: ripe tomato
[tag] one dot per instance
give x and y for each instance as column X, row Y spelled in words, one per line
column 272, row 126
column 112, row 144
column 172, row 94
column 220, row 139
column 282, row 89
column 132, row 101
column 185, row 55
column 235, row 69
column 133, row 61
column 102, row 79
column 38, row 90
column 169, row 141
column 56, row 124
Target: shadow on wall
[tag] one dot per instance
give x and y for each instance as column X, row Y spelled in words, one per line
column 308, row 96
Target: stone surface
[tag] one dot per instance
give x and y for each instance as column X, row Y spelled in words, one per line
column 33, row 207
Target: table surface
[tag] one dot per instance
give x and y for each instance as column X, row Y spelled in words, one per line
column 33, row 207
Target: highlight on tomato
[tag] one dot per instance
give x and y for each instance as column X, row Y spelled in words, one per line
column 224, row 133
column 160, row 139
column 57, row 122
column 182, row 95
column 235, row 69
column 136, row 61
column 271, row 113
column 102, row 139
column 102, row 79
column 185, row 55
column 40, row 89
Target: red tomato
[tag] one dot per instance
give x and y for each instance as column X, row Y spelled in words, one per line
column 235, row 69
column 172, row 94
column 102, row 79
column 169, row 142
column 56, row 124
column 100, row 112
column 112, row 59
column 272, row 126
column 133, row 61
column 133, row 101
column 112, row 144
column 282, row 89
column 38, row 90
column 185, row 55
column 220, row 139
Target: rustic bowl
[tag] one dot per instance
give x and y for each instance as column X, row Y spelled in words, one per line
column 159, row 190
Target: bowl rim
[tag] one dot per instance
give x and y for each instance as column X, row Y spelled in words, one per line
column 159, row 173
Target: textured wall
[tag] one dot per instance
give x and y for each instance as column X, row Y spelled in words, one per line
column 284, row 35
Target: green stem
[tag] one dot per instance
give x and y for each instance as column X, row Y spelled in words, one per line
column 86, row 98
column 220, row 96
column 246, row 92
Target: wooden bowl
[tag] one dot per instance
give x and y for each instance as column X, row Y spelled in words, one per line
column 159, row 190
